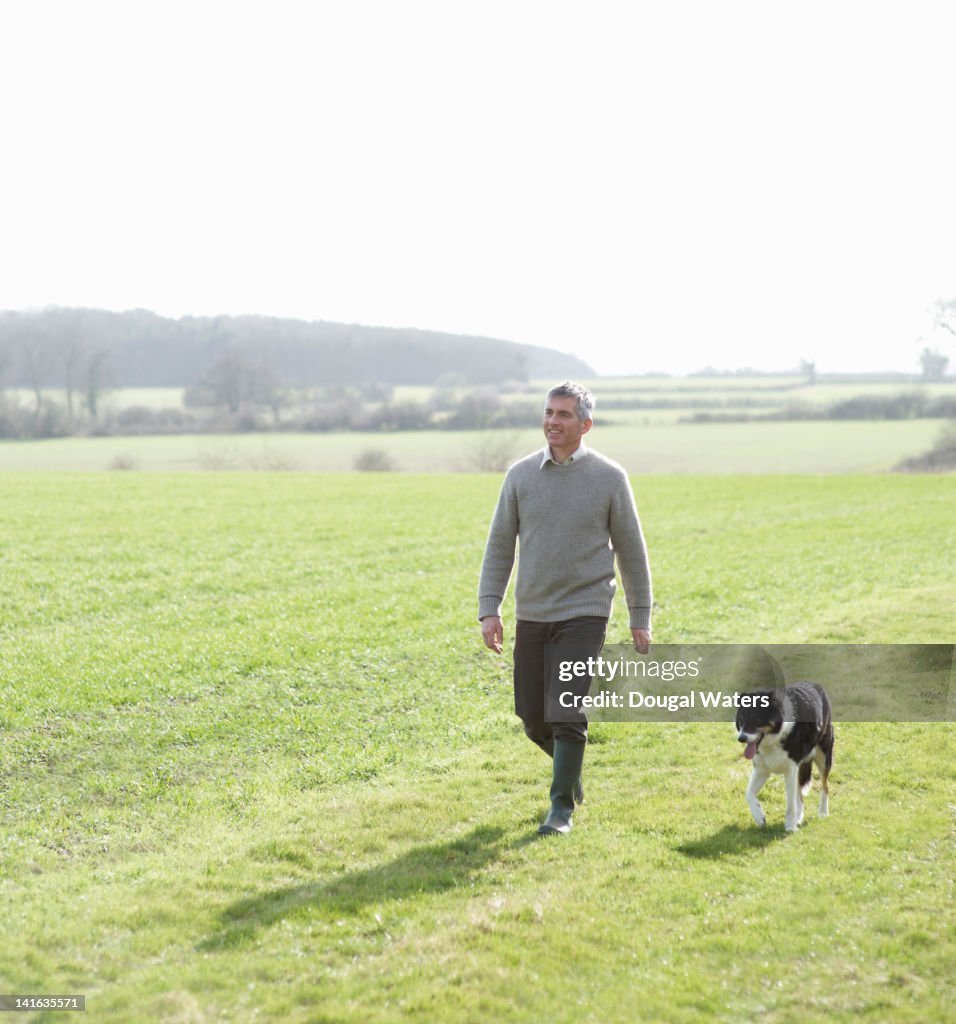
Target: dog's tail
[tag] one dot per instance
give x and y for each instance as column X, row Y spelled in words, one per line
column 804, row 777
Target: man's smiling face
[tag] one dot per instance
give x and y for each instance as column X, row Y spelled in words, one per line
column 562, row 428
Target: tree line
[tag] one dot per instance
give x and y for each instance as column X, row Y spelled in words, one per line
column 80, row 350
column 232, row 368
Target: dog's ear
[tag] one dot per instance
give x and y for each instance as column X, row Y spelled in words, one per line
column 756, row 669
column 775, row 672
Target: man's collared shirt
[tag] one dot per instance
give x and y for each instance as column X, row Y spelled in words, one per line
column 547, row 457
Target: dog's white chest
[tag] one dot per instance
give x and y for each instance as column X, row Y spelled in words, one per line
column 772, row 757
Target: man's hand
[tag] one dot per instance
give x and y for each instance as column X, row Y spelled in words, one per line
column 493, row 632
column 642, row 640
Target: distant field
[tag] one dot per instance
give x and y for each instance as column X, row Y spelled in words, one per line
column 121, row 398
column 769, row 392
column 653, row 447
column 644, row 440
column 151, row 398
column 750, row 394
column 730, row 384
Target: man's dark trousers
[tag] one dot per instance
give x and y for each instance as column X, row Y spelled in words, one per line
column 534, row 675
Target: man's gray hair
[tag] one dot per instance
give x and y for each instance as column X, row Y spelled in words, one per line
column 584, row 398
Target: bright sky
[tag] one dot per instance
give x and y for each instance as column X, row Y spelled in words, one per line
column 650, row 185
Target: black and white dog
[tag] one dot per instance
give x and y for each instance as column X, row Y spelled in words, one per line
column 785, row 732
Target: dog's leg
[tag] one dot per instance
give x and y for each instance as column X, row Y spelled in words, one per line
column 757, row 780
column 820, row 760
column 794, row 816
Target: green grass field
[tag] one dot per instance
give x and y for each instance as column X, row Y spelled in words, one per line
column 256, row 764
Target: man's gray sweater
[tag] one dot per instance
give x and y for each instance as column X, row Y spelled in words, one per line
column 570, row 522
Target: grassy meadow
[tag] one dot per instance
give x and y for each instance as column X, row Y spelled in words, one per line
column 256, row 764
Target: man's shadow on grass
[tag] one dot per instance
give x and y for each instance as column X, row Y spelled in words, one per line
column 426, row 869
column 732, row 841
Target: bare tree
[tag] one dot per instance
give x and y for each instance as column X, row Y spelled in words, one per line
column 227, row 377
column 97, row 380
column 35, row 356
column 264, row 388
column 236, row 379
column 946, row 315
column 72, row 353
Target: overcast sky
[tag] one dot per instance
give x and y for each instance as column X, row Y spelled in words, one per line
column 652, row 186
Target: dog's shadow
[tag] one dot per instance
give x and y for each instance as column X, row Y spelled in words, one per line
column 732, row 841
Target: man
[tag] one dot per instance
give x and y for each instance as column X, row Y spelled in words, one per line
column 572, row 510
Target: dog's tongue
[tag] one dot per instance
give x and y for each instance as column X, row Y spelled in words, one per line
column 750, row 750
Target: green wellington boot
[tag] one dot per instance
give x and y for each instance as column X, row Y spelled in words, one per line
column 548, row 748
column 568, row 758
